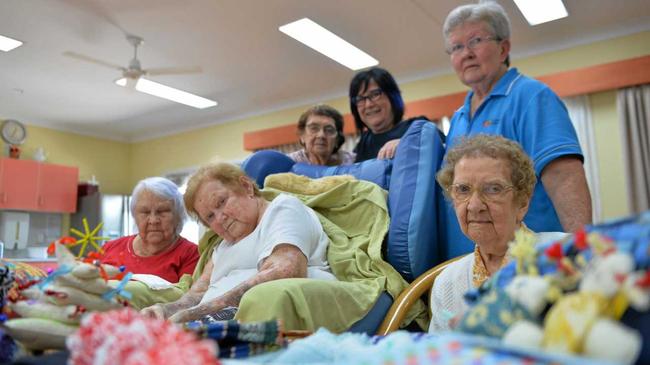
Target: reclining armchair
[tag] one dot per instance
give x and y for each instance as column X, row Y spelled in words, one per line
column 411, row 245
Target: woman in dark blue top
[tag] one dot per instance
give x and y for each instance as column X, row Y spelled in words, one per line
column 378, row 108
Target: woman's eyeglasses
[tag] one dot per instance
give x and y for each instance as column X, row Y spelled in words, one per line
column 328, row 130
column 489, row 192
column 372, row 95
column 472, row 44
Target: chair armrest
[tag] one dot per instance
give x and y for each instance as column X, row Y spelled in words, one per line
column 409, row 296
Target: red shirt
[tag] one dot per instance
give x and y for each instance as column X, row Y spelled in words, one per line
column 169, row 265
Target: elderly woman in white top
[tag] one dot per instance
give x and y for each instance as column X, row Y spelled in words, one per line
column 262, row 241
column 490, row 181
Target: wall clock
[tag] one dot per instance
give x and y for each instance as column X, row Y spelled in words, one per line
column 13, row 132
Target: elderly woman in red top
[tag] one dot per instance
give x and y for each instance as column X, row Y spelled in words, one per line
column 157, row 249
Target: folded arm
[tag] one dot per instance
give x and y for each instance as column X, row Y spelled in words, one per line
column 286, row 261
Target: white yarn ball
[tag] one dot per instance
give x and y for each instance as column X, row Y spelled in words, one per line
column 610, row 340
column 524, row 334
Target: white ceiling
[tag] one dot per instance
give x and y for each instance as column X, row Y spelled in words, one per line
column 249, row 67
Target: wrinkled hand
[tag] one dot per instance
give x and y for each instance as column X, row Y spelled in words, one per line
column 154, row 311
column 181, row 316
column 388, row 150
column 191, row 314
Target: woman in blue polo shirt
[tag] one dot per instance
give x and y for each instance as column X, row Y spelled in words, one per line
column 503, row 101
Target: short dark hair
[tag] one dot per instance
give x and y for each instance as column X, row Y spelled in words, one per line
column 324, row 110
column 386, row 83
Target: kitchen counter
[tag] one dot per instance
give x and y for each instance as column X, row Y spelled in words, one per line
column 29, row 259
column 29, row 254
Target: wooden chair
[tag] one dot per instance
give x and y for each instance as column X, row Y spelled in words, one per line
column 409, row 296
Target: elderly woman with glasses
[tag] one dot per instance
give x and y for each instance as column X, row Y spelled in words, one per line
column 504, row 102
column 377, row 106
column 320, row 129
column 489, row 180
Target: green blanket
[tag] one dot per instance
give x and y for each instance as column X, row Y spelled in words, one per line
column 354, row 215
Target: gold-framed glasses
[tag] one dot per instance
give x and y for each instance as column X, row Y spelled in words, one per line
column 372, row 95
column 488, row 192
column 472, row 44
column 328, row 130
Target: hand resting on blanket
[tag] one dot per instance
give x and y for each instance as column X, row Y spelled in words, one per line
column 286, row 261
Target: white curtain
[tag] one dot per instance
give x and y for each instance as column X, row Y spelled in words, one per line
column 580, row 114
column 633, row 106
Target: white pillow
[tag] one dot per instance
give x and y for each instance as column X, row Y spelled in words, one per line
column 38, row 333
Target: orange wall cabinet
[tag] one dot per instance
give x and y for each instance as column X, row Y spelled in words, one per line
column 57, row 188
column 35, row 186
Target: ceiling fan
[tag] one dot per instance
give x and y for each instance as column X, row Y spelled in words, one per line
column 133, row 77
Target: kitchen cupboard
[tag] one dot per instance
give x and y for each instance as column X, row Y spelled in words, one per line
column 35, row 186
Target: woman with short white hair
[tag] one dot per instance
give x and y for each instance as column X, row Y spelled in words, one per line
column 158, row 249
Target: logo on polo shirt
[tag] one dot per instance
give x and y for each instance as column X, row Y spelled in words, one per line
column 487, row 123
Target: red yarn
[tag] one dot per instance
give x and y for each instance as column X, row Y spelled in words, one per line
column 127, row 337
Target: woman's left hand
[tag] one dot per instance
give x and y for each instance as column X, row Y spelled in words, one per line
column 191, row 314
column 388, row 151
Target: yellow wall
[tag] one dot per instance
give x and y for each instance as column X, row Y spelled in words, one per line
column 191, row 149
column 610, row 155
column 118, row 165
column 109, row 161
column 616, row 49
column 225, row 141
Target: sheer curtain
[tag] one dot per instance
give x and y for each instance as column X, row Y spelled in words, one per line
column 580, row 114
column 633, row 106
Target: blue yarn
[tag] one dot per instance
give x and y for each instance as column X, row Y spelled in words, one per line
column 7, row 348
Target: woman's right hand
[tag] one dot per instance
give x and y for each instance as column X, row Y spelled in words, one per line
column 154, row 311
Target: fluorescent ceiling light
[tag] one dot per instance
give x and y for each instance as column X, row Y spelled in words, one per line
column 538, row 12
column 169, row 93
column 322, row 40
column 7, row 44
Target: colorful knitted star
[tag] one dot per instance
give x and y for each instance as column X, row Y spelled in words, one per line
column 88, row 237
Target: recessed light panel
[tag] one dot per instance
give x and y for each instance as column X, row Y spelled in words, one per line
column 538, row 11
column 322, row 40
column 7, row 44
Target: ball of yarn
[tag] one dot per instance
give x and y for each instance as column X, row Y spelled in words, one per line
column 127, row 337
column 7, row 348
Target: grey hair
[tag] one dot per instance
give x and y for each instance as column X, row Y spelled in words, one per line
column 485, row 11
column 165, row 189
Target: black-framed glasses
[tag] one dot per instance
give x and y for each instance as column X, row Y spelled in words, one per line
column 328, row 130
column 372, row 95
column 472, row 44
column 488, row 192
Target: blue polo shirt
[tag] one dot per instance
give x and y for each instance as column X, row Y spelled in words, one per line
column 529, row 112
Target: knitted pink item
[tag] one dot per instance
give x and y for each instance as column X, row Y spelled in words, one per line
column 126, row 337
